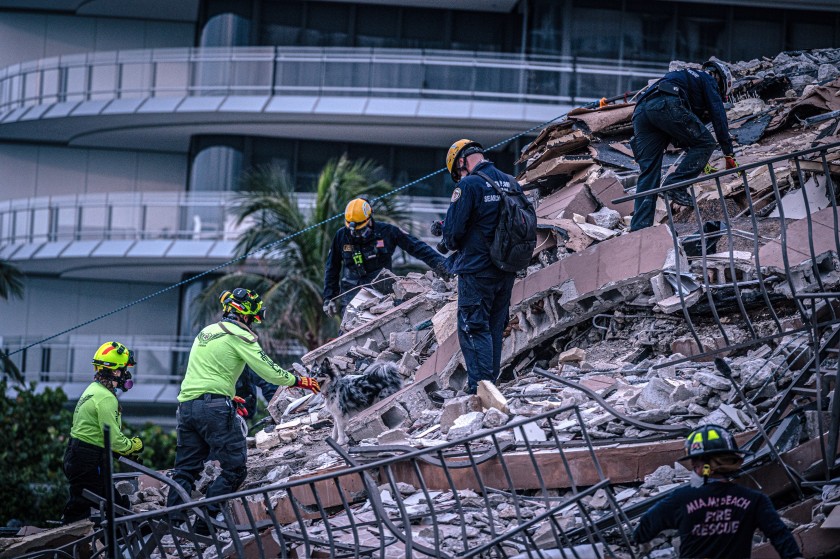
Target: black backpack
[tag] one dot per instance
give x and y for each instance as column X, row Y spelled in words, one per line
column 516, row 235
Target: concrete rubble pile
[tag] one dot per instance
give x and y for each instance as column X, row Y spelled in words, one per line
column 599, row 319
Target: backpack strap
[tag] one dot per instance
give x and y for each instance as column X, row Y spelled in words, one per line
column 227, row 330
column 493, row 183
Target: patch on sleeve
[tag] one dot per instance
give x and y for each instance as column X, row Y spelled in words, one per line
column 380, row 243
column 348, row 248
column 456, row 194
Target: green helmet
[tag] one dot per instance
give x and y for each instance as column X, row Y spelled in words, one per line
column 243, row 302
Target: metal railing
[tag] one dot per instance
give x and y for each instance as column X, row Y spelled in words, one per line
column 149, row 216
column 492, row 494
column 266, row 71
column 761, row 253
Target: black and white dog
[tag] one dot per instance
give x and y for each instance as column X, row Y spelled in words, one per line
column 346, row 396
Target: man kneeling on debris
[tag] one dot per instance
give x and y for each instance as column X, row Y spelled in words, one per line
column 715, row 517
column 98, row 406
column 673, row 110
column 208, row 423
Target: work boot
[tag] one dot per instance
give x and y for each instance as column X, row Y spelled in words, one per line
column 681, row 198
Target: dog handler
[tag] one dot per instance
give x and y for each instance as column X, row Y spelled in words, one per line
column 207, row 419
column 98, row 406
column 715, row 517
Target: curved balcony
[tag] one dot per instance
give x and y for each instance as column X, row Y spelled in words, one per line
column 153, row 236
column 127, row 98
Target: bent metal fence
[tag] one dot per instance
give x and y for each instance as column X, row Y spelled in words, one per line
column 758, row 264
column 508, row 491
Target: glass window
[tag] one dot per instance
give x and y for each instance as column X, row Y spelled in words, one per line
column 757, row 33
column 545, row 27
column 312, row 156
column 328, row 25
column 422, row 29
column 596, row 31
column 807, row 30
column 216, row 165
column 648, row 31
column 225, row 30
column 281, row 23
column 499, row 32
column 701, row 32
column 377, row 26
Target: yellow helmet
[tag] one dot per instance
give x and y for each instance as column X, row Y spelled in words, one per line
column 243, row 302
column 357, row 214
column 461, row 148
column 113, row 355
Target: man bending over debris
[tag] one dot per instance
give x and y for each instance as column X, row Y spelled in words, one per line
column 673, row 110
column 98, row 406
column 715, row 517
column 207, row 412
column 483, row 288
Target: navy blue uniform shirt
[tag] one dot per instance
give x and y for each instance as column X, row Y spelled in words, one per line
column 717, row 521
column 472, row 218
column 699, row 90
column 358, row 263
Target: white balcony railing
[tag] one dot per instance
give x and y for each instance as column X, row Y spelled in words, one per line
column 149, row 216
column 267, row 71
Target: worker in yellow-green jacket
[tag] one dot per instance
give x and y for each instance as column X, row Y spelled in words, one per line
column 208, row 424
column 98, row 406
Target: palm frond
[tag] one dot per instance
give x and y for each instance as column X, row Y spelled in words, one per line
column 11, row 281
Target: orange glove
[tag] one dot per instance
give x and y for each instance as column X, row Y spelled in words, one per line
column 730, row 161
column 309, row 383
column 239, row 402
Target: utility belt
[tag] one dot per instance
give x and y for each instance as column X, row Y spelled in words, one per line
column 661, row 88
column 78, row 443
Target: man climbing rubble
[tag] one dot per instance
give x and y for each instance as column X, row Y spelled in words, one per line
column 715, row 517
column 97, row 407
column 361, row 249
column 483, row 288
column 674, row 110
column 208, row 423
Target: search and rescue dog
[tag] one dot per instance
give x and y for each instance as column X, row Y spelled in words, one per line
column 346, row 396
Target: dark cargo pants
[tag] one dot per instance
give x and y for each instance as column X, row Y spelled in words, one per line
column 658, row 120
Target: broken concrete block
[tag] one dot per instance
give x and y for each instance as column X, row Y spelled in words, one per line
column 605, row 217
column 267, row 439
column 455, row 408
column 607, row 189
column 393, row 437
column 661, row 287
column 408, row 364
column 407, row 288
column 656, row 394
column 402, row 342
column 713, row 381
column 596, row 232
column 574, row 355
column 445, row 321
column 491, row 397
column 494, row 418
column 674, row 303
column 465, row 425
column 530, row 432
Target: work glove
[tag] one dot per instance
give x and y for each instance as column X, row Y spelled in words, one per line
column 330, row 307
column 708, row 169
column 136, row 446
column 730, row 161
column 309, row 383
column 442, row 272
column 442, row 248
column 239, row 402
column 436, row 228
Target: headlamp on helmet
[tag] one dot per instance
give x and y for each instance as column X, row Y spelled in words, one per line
column 114, row 356
column 461, row 148
column 243, row 302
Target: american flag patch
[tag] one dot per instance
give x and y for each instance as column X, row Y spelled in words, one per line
column 380, row 243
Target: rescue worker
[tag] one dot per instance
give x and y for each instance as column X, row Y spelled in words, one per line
column 97, row 407
column 483, row 289
column 716, row 518
column 674, row 110
column 361, row 249
column 208, row 423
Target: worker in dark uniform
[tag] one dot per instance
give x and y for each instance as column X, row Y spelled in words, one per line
column 483, row 289
column 716, row 518
column 361, row 249
column 97, row 407
column 674, row 110
column 207, row 408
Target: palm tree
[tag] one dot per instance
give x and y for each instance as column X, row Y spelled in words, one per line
column 292, row 285
column 11, row 286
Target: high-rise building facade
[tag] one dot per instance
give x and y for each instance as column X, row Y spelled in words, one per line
column 126, row 127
